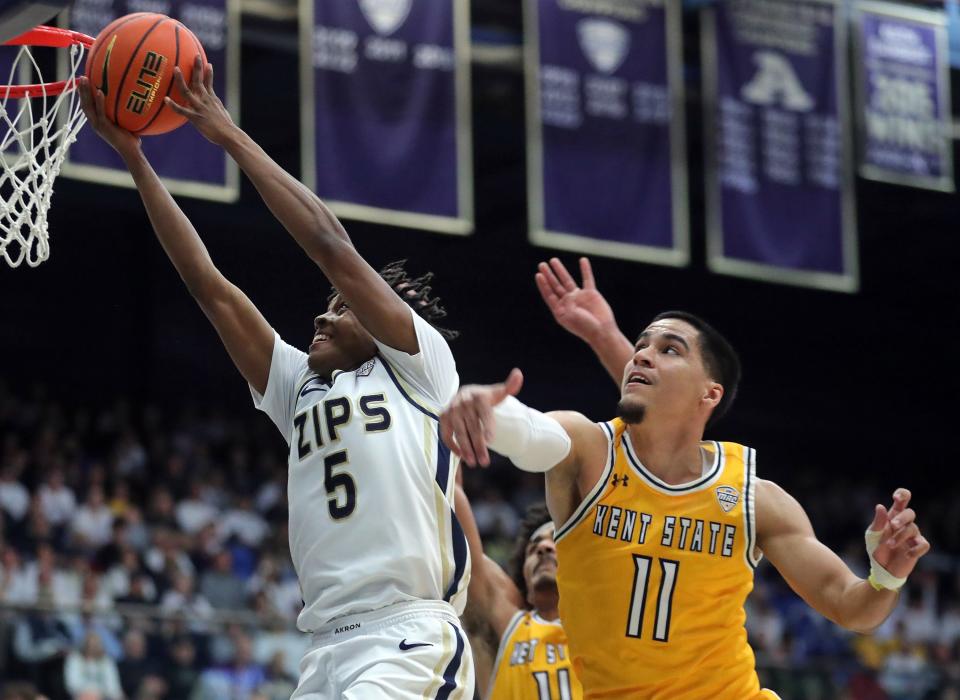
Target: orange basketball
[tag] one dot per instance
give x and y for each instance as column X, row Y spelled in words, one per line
column 132, row 62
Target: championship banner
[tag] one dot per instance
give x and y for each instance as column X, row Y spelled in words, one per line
column 188, row 163
column 780, row 203
column 606, row 149
column 386, row 128
column 903, row 95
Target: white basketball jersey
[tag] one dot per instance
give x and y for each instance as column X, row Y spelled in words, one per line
column 370, row 485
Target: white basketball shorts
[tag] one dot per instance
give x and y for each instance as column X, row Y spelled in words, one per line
column 405, row 651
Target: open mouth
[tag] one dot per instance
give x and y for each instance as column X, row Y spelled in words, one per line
column 639, row 378
column 319, row 339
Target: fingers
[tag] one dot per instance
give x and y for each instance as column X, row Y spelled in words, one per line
column 99, row 100
column 548, row 295
column 902, row 535
column 474, row 420
column 196, row 79
column 208, row 77
column 86, row 98
column 177, row 107
column 918, row 547
column 879, row 518
column 462, row 438
column 586, row 274
column 514, row 382
column 551, row 279
column 903, row 518
column 446, row 434
column 510, row 387
column 181, row 83
column 560, row 270
column 901, row 497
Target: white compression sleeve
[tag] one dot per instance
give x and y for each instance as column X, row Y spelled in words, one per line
column 532, row 441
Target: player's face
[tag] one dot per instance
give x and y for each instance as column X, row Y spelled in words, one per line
column 339, row 341
column 540, row 564
column 666, row 376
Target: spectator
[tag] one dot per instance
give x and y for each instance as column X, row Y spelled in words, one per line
column 90, row 670
column 221, row 586
column 194, row 513
column 278, row 685
column 181, row 673
column 57, row 499
column 183, row 600
column 14, row 497
column 239, row 679
column 92, row 521
column 40, row 643
column 244, row 523
column 15, row 584
column 136, row 668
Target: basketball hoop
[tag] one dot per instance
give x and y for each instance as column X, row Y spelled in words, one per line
column 37, row 125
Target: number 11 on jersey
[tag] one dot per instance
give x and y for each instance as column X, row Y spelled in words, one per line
column 542, row 679
column 638, row 600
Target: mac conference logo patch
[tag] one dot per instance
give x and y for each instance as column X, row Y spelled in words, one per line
column 727, row 497
column 604, row 42
column 386, row 16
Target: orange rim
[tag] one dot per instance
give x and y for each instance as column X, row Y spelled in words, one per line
column 45, row 36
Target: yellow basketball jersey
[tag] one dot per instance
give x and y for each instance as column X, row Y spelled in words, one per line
column 533, row 662
column 653, row 578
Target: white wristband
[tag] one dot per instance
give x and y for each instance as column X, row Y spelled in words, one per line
column 532, row 441
column 880, row 577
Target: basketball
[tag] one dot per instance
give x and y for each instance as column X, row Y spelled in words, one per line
column 132, row 63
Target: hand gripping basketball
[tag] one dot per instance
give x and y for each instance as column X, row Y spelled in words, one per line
column 92, row 102
column 204, row 109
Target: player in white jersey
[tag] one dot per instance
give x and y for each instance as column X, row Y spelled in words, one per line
column 382, row 561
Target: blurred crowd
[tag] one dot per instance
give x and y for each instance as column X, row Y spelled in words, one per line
column 144, row 555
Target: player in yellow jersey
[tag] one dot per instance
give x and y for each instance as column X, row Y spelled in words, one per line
column 659, row 531
column 518, row 614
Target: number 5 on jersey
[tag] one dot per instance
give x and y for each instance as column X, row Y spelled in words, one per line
column 334, row 414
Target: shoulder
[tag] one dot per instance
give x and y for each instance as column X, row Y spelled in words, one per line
column 777, row 511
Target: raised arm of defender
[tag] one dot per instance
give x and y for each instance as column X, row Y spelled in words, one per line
column 565, row 445
column 246, row 335
column 303, row 214
column 584, row 312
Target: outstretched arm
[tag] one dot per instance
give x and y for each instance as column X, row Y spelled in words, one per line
column 567, row 446
column 492, row 595
column 246, row 335
column 585, row 313
column 305, row 217
column 819, row 576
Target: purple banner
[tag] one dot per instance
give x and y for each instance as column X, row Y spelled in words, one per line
column 779, row 181
column 606, row 150
column 386, row 123
column 903, row 95
column 188, row 163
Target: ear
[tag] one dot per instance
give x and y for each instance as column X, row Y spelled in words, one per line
column 712, row 395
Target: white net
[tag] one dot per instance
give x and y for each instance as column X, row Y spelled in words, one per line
column 35, row 133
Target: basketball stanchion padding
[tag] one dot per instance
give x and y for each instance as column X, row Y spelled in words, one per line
column 37, row 125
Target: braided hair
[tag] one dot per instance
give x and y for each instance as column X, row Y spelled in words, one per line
column 416, row 293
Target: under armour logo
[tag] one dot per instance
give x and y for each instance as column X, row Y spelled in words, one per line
column 776, row 83
column 617, row 479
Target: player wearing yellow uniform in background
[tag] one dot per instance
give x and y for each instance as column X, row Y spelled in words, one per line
column 514, row 618
column 658, row 531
